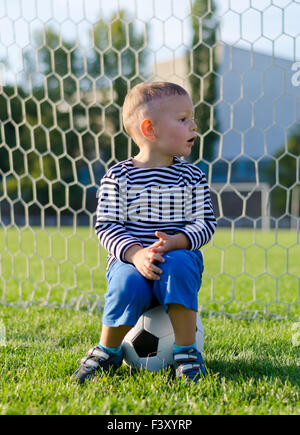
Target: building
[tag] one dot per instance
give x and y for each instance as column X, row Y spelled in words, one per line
column 257, row 109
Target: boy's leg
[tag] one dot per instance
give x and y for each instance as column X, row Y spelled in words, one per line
column 128, row 295
column 177, row 291
column 180, row 281
column 113, row 336
column 184, row 324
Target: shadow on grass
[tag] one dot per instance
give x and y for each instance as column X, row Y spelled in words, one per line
column 125, row 374
column 261, row 369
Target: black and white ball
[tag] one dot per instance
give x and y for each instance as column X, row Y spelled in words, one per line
column 149, row 344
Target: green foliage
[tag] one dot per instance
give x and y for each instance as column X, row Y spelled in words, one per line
column 54, row 118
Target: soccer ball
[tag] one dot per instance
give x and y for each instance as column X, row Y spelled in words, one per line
column 149, row 344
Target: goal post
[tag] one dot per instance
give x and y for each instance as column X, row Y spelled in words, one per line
column 254, row 203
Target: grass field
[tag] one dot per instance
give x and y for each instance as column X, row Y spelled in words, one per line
column 253, row 369
column 244, row 270
column 253, row 364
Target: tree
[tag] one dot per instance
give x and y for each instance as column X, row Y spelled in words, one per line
column 202, row 64
column 65, row 114
column 121, row 49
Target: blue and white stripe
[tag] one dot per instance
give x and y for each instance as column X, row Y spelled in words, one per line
column 118, row 230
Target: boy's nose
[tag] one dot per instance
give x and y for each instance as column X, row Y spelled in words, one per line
column 194, row 126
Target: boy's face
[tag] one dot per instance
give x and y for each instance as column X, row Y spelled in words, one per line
column 174, row 125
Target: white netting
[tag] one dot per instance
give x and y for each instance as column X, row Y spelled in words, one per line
column 65, row 67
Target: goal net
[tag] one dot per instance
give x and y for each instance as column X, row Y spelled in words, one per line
column 65, row 68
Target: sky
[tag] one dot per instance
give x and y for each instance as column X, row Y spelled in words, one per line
column 268, row 26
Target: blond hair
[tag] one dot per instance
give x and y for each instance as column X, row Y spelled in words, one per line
column 142, row 95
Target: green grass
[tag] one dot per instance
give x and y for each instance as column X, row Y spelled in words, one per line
column 244, row 271
column 253, row 369
column 253, row 364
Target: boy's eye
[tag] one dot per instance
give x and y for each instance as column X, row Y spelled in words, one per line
column 185, row 118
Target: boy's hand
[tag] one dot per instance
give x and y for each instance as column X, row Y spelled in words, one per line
column 144, row 259
column 168, row 243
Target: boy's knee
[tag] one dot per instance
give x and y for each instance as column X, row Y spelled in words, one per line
column 173, row 259
column 131, row 286
column 184, row 268
column 184, row 258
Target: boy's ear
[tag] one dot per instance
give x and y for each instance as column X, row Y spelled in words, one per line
column 147, row 129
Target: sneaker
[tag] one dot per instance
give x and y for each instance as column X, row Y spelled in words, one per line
column 96, row 360
column 189, row 363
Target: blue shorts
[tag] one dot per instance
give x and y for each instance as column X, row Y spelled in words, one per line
column 129, row 294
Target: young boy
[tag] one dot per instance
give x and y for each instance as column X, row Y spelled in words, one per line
column 153, row 240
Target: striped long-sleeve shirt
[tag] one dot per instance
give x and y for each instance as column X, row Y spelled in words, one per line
column 135, row 202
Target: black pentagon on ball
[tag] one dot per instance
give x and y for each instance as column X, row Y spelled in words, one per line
column 145, row 344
